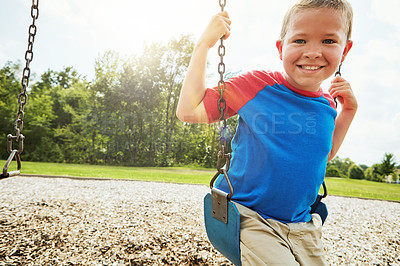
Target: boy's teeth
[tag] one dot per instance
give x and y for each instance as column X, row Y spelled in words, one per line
column 310, row 67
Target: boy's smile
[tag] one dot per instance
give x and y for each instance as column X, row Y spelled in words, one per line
column 313, row 47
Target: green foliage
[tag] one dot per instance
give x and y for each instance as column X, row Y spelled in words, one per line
column 332, row 171
column 343, row 165
column 364, row 167
column 356, row 172
column 373, row 173
column 395, row 176
column 387, row 166
column 381, row 171
column 10, row 88
column 124, row 116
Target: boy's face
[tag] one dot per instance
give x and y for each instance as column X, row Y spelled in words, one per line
column 313, row 47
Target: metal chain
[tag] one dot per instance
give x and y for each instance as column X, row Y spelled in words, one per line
column 223, row 160
column 23, row 97
column 338, row 72
column 225, row 132
column 22, row 100
column 221, row 71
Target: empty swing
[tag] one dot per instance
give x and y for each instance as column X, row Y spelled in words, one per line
column 221, row 216
column 22, row 100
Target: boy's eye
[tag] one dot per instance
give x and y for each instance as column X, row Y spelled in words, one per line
column 329, row 41
column 300, row 41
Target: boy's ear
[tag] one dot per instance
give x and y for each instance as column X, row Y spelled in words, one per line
column 347, row 49
column 279, row 45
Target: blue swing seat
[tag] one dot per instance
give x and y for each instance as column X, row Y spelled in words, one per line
column 225, row 237
column 222, row 220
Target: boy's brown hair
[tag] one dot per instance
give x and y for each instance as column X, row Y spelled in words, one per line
column 342, row 6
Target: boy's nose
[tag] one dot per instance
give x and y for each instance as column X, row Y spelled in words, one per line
column 312, row 54
column 312, row 51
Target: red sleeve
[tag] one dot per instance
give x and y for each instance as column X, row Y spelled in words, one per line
column 238, row 91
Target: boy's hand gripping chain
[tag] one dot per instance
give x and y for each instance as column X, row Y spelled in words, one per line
column 22, row 100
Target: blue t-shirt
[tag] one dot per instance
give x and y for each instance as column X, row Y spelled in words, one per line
column 281, row 145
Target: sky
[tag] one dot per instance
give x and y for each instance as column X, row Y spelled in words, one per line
column 75, row 33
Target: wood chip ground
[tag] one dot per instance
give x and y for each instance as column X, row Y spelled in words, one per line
column 62, row 221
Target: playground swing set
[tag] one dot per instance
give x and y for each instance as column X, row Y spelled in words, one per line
column 22, row 100
column 222, row 219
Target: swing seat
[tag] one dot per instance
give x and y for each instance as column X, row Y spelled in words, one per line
column 222, row 219
column 320, row 208
column 225, row 236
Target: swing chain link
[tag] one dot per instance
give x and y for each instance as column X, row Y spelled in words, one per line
column 23, row 97
column 338, row 73
column 223, row 158
column 221, row 71
column 222, row 4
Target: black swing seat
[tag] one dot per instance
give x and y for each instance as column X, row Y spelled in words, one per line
column 319, row 207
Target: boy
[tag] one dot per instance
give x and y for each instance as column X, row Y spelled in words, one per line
column 287, row 132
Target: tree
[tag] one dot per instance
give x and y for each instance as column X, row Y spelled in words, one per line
column 175, row 63
column 395, row 176
column 356, row 172
column 373, row 173
column 10, row 88
column 387, row 166
column 125, row 115
column 364, row 167
column 54, row 120
column 342, row 164
column 332, row 171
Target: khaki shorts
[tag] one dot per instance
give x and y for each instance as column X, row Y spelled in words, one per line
column 269, row 242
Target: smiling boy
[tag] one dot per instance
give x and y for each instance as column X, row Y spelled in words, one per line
column 288, row 129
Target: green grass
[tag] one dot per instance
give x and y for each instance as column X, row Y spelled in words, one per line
column 198, row 175
column 363, row 189
column 193, row 175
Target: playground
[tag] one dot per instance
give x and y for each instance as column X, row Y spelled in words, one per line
column 67, row 221
column 53, row 220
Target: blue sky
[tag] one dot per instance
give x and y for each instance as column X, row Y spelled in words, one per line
column 75, row 33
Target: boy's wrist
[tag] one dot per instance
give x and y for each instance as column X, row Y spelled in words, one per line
column 349, row 113
column 351, row 110
column 201, row 45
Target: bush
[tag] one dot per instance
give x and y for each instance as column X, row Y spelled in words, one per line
column 395, row 176
column 356, row 172
column 373, row 174
column 332, row 171
column 369, row 173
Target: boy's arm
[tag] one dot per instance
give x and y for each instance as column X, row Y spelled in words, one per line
column 190, row 106
column 342, row 90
